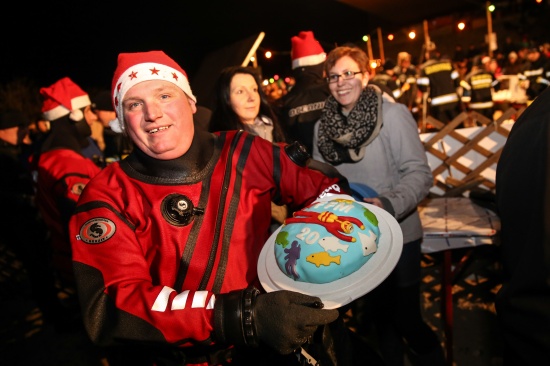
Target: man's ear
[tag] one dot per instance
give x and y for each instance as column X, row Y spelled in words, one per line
column 89, row 114
column 193, row 105
column 43, row 125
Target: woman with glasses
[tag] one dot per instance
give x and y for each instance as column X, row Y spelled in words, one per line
column 373, row 140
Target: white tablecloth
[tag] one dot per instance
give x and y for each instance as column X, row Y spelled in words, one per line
column 456, row 222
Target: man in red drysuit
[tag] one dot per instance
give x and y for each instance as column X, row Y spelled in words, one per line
column 166, row 241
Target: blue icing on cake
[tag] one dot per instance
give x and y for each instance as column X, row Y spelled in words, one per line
column 327, row 241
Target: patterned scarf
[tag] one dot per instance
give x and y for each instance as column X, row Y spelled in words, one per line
column 343, row 139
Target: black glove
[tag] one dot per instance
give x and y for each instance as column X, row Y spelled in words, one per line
column 283, row 320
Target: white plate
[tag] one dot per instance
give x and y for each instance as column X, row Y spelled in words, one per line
column 349, row 288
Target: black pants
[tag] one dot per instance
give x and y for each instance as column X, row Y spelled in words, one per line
column 331, row 345
column 393, row 311
column 446, row 112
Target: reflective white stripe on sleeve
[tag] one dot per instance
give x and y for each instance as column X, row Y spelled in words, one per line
column 481, row 105
column 161, row 301
column 444, row 99
column 423, row 81
column 532, row 73
column 199, row 300
column 180, row 300
column 465, row 85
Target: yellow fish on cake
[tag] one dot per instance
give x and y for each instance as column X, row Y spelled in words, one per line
column 323, row 259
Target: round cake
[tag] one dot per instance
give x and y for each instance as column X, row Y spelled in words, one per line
column 327, row 241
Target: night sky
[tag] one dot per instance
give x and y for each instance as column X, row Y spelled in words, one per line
column 81, row 39
column 50, row 40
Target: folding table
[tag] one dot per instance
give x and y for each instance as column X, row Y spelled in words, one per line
column 451, row 223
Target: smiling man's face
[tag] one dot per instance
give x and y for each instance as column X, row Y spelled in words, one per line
column 159, row 118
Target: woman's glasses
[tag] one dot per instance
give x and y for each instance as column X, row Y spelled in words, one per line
column 347, row 75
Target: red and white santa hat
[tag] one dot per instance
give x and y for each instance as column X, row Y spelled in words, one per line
column 133, row 68
column 306, row 50
column 64, row 97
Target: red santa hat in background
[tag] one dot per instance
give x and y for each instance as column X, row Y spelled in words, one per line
column 133, row 68
column 306, row 50
column 63, row 98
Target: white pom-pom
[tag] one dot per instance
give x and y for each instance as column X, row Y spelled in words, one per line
column 116, row 126
column 76, row 115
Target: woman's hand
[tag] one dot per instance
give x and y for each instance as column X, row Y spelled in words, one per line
column 374, row 201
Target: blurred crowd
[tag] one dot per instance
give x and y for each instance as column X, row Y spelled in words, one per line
column 515, row 74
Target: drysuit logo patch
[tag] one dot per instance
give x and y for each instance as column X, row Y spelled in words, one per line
column 77, row 188
column 97, row 230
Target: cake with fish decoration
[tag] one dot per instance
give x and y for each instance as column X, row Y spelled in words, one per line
column 327, row 241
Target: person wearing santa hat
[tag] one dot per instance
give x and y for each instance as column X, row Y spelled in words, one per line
column 117, row 146
column 301, row 107
column 166, row 241
column 62, row 171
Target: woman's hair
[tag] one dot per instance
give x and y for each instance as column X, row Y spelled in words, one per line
column 224, row 117
column 354, row 52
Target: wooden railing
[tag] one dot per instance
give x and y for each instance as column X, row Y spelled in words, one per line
column 464, row 158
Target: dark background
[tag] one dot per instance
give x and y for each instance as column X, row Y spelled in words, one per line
column 81, row 39
column 45, row 41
